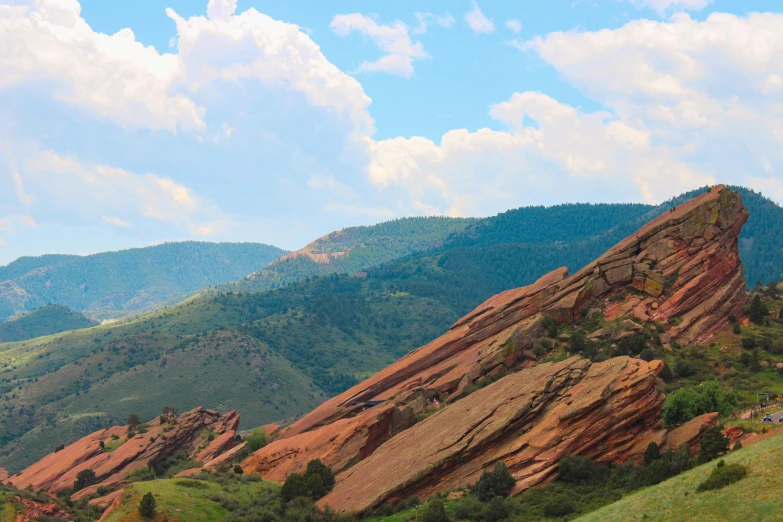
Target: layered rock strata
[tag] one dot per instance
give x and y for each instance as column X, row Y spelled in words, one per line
column 681, row 270
column 111, row 455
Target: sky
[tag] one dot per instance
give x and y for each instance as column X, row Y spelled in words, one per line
column 125, row 124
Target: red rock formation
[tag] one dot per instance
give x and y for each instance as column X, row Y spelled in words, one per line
column 529, row 420
column 684, row 265
column 3, row 475
column 35, row 510
column 57, row 471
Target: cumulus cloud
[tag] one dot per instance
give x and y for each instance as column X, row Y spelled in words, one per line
column 664, row 6
column 478, row 22
column 119, row 79
column 393, row 39
column 427, row 19
column 70, row 187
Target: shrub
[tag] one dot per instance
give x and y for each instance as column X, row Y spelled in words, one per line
column 578, row 470
column 758, row 310
column 315, row 483
column 59, row 447
column 647, row 355
column 84, row 478
column 495, row 510
column 550, row 326
column 687, row 403
column 712, row 444
column 147, row 506
column 133, row 420
column 256, row 440
column 408, row 503
column 238, row 469
column 577, row 343
column 737, row 446
column 469, row 508
column 733, row 318
column 652, row 453
column 141, row 474
column 434, row 511
column 736, row 329
column 748, row 343
column 190, row 483
column 558, row 506
column 495, row 483
column 723, row 475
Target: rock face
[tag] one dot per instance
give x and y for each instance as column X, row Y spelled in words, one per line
column 190, row 430
column 683, row 266
column 3, row 475
column 529, row 420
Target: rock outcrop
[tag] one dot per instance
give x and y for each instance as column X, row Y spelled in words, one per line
column 111, row 455
column 681, row 270
column 529, row 420
column 3, row 475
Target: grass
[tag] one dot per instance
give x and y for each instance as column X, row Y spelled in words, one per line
column 178, row 500
column 676, row 499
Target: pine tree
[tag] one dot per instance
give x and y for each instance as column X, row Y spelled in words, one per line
column 757, row 311
column 147, row 506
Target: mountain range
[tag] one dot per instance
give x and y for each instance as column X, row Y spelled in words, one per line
column 277, row 354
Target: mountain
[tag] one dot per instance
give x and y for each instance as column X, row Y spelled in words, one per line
column 278, row 354
column 46, row 320
column 678, row 278
column 352, row 250
column 570, row 365
column 118, row 284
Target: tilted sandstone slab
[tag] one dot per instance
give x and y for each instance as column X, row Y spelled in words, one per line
column 529, row 420
column 57, row 471
column 683, row 265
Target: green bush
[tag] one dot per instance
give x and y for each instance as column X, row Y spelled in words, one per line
column 147, row 506
column 652, row 453
column 495, row 483
column 758, row 310
column 558, row 506
column 723, row 475
column 712, row 444
column 434, row 511
column 315, row 483
column 84, row 478
column 238, row 469
column 256, row 440
column 687, row 403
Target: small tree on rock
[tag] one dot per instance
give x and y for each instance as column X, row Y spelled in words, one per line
column 712, row 444
column 147, row 506
column 495, row 483
column 84, row 478
column 133, row 421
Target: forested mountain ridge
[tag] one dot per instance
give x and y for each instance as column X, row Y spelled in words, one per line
column 117, row 284
column 276, row 354
column 352, row 250
column 46, row 320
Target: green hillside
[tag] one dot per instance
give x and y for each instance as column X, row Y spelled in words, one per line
column 320, row 334
column 755, row 497
column 353, row 250
column 46, row 320
column 117, row 284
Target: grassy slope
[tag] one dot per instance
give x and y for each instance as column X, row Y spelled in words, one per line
column 116, row 284
column 44, row 321
column 756, row 497
column 184, row 504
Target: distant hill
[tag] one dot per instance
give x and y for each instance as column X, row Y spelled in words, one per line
column 46, row 320
column 352, row 250
column 118, row 284
column 275, row 354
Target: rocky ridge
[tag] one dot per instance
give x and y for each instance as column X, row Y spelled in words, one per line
column 681, row 270
column 111, row 455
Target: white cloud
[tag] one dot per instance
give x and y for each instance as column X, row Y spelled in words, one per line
column 427, row 19
column 69, row 187
column 514, row 25
column 116, row 222
column 393, row 39
column 477, row 22
column 112, row 76
column 567, row 156
column 118, row 79
column 664, row 6
column 21, row 195
column 12, row 223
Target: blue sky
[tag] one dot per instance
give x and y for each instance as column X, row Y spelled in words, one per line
column 126, row 124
